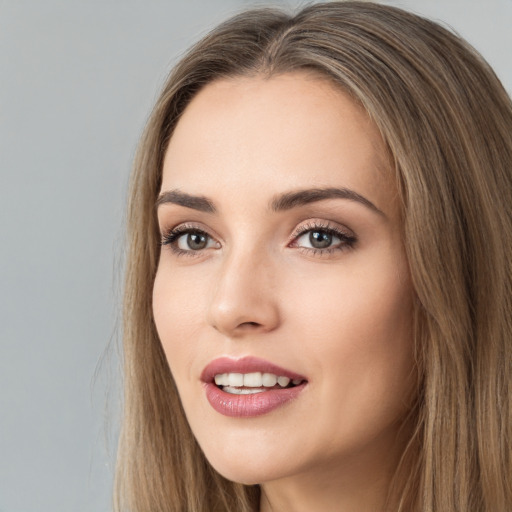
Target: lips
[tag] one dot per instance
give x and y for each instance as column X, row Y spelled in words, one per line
column 249, row 386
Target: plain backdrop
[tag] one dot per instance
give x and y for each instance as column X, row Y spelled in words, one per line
column 77, row 80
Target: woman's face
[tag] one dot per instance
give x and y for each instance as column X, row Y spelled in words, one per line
column 282, row 276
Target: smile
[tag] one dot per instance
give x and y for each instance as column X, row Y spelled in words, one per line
column 246, row 392
column 255, row 382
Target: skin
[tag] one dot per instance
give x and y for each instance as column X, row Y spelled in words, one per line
column 341, row 317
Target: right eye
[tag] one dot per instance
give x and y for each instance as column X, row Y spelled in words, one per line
column 188, row 240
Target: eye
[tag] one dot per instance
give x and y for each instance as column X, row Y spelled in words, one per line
column 317, row 239
column 322, row 239
column 193, row 241
column 188, row 240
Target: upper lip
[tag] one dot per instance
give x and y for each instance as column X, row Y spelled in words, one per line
column 245, row 365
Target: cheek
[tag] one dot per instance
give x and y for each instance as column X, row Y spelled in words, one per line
column 177, row 310
column 358, row 324
column 376, row 300
column 357, row 337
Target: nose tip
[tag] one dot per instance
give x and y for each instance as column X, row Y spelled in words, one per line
column 243, row 302
column 240, row 316
column 233, row 325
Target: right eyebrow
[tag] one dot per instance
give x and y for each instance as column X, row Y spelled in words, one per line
column 200, row 203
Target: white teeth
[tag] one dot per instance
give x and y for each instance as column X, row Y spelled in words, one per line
column 252, row 380
column 269, row 380
column 235, row 379
column 242, row 391
column 222, row 379
column 283, row 381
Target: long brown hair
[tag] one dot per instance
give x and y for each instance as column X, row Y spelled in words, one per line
column 447, row 123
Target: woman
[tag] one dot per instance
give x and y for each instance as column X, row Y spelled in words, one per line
column 318, row 292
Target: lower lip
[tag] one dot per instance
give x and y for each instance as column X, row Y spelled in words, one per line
column 248, row 406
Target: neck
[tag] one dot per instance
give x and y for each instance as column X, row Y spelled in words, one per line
column 323, row 492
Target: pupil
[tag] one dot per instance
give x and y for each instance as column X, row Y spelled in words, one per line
column 196, row 241
column 320, row 239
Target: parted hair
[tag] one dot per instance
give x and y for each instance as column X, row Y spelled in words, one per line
column 446, row 121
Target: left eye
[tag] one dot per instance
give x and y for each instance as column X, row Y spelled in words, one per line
column 193, row 241
column 318, row 239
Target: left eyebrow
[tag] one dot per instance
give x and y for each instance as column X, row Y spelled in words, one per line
column 291, row 200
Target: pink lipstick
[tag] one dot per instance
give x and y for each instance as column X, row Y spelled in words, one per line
column 249, row 386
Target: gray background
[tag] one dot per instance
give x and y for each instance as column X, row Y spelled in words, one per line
column 77, row 79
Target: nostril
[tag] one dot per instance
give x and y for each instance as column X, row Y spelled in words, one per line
column 249, row 325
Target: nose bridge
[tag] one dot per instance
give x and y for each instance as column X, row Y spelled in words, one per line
column 244, row 296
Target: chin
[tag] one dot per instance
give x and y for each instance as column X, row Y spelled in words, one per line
column 246, row 475
column 249, row 470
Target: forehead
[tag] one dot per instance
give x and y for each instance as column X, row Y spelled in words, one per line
column 289, row 131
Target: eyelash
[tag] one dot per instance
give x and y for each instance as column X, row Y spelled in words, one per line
column 173, row 235
column 347, row 241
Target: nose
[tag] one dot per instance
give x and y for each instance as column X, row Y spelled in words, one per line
column 244, row 300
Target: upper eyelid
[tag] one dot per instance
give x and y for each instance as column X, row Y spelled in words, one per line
column 187, row 226
column 319, row 224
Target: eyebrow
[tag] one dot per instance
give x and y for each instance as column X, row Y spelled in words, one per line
column 282, row 202
column 291, row 200
column 201, row 203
